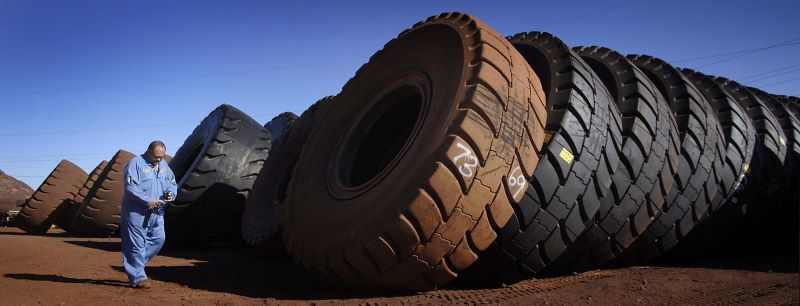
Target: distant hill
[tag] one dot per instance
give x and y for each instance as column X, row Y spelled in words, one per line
column 13, row 192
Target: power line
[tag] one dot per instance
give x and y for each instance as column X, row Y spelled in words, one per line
column 765, row 73
column 781, row 82
column 787, row 43
column 112, row 128
column 184, row 78
column 55, row 155
column 774, row 75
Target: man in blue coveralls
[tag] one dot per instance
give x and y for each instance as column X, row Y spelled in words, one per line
column 149, row 184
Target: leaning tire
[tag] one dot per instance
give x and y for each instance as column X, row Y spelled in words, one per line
column 721, row 221
column 263, row 209
column 280, row 125
column 48, row 202
column 573, row 177
column 427, row 146
column 648, row 161
column 697, row 180
column 71, row 210
column 215, row 168
column 99, row 214
column 782, row 214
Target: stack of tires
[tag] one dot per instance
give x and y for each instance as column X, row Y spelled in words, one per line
column 455, row 151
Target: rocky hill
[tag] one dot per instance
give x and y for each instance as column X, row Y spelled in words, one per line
column 13, row 192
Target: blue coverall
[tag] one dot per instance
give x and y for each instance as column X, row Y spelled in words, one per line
column 142, row 229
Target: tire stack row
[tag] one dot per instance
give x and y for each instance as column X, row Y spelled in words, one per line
column 458, row 153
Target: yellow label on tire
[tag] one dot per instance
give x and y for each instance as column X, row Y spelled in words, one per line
column 783, row 141
column 566, row 155
column 746, row 168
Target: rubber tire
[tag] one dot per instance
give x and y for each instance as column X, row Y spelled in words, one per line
column 740, row 143
column 791, row 103
column 648, row 162
column 697, row 180
column 781, row 215
column 263, row 209
column 215, row 169
column 99, row 213
column 770, row 153
column 65, row 221
column 421, row 220
column 48, row 202
column 563, row 196
column 280, row 125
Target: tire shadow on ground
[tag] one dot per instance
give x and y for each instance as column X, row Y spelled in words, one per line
column 245, row 271
column 65, row 279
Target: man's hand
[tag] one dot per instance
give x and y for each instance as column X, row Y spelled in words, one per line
column 153, row 204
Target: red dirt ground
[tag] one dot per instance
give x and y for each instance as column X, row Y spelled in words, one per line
column 59, row 269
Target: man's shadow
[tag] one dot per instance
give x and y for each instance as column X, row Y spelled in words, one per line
column 64, row 279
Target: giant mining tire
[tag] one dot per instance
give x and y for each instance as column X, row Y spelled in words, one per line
column 781, row 215
column 65, row 221
column 697, row 180
column 648, row 161
column 50, row 200
column 791, row 103
column 215, row 168
column 740, row 143
column 280, row 125
column 263, row 209
column 99, row 213
column 425, row 149
column 771, row 148
column 574, row 173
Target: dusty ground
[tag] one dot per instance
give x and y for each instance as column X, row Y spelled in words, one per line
column 58, row 269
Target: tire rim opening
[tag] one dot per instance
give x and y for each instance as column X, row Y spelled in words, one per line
column 381, row 136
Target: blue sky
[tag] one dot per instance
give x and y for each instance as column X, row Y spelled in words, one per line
column 81, row 79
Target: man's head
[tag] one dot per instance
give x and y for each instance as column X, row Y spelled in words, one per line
column 155, row 152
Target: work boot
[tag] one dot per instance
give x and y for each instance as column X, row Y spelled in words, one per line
column 144, row 284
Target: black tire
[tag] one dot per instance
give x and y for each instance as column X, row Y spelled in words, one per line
column 770, row 153
column 215, row 168
column 697, row 180
column 781, row 214
column 787, row 121
column 280, row 125
column 65, row 221
column 50, row 200
column 791, row 103
column 565, row 193
column 431, row 141
column 740, row 142
column 263, row 209
column 648, row 162
column 99, row 213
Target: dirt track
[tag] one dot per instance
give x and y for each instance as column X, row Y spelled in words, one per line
column 58, row 269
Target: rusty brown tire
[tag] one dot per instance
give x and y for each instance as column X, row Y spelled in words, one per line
column 99, row 213
column 65, row 221
column 648, row 162
column 429, row 144
column 264, row 206
column 215, row 168
column 573, row 176
column 50, row 200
